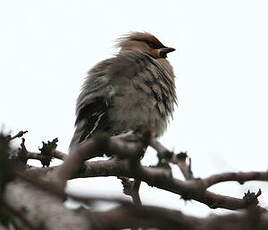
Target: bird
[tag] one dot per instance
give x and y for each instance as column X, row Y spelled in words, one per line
column 132, row 90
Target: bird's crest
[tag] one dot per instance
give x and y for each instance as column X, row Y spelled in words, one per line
column 138, row 36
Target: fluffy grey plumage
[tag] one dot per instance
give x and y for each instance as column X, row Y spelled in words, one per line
column 135, row 89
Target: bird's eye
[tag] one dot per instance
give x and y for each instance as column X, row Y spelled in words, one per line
column 152, row 44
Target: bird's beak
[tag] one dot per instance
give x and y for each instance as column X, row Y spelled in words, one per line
column 164, row 51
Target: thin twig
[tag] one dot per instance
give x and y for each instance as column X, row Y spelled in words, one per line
column 37, row 156
column 240, row 177
column 181, row 160
column 19, row 134
column 135, row 192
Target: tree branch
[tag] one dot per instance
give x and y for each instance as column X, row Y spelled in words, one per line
column 167, row 219
column 240, row 177
column 42, row 209
column 191, row 189
column 127, row 148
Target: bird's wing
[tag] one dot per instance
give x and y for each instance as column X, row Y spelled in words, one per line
column 92, row 103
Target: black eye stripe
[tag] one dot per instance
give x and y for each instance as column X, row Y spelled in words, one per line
column 151, row 44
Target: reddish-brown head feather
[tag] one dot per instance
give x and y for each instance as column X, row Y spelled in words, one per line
column 143, row 42
column 139, row 36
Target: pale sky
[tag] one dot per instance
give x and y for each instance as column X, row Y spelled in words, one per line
column 220, row 64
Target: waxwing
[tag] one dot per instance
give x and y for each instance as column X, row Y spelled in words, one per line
column 133, row 90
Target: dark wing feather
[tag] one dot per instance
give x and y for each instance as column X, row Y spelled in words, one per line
column 93, row 103
column 94, row 116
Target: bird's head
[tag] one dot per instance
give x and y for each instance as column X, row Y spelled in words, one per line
column 144, row 42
